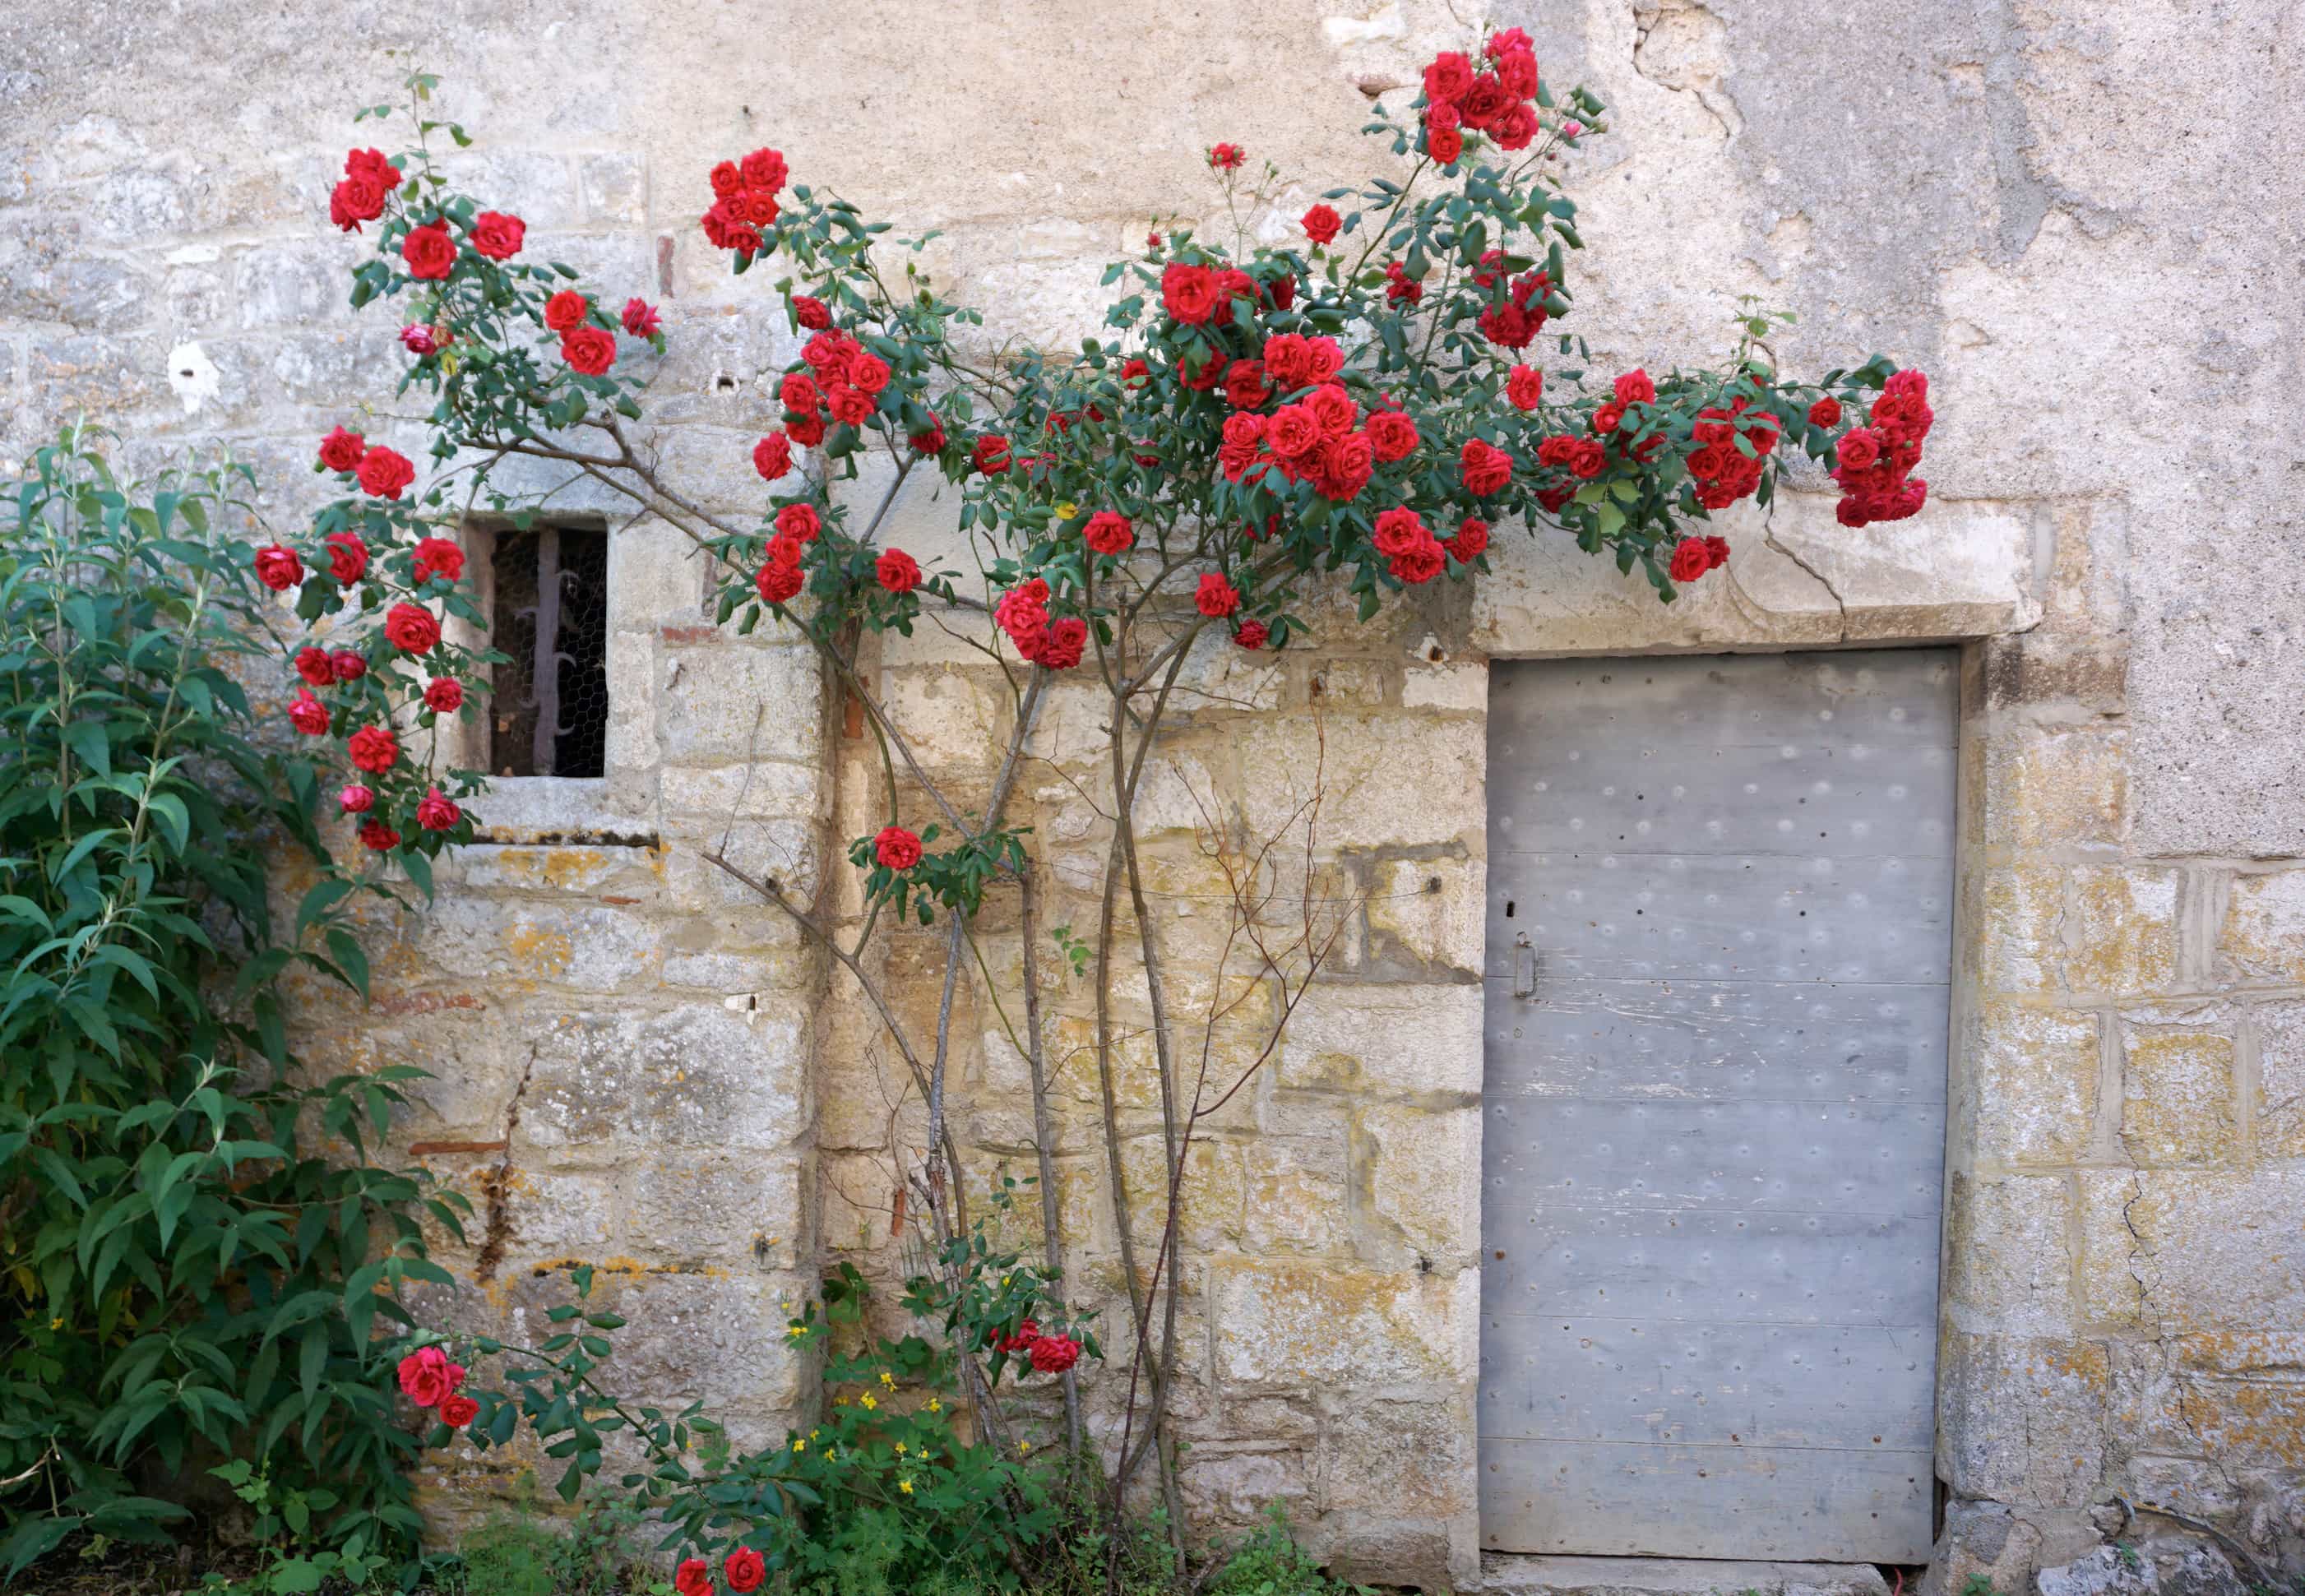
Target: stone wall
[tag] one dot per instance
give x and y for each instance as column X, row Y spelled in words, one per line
column 2075, row 216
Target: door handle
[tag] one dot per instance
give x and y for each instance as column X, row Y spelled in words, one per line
column 1524, row 967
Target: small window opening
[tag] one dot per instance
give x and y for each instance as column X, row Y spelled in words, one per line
column 549, row 713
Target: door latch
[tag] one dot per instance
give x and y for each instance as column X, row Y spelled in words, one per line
column 1524, row 967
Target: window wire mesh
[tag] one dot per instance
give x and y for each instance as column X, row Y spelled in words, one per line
column 549, row 716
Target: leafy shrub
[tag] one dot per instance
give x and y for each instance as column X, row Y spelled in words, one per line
column 182, row 1271
column 1271, row 1563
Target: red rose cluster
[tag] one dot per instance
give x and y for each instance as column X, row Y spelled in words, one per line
column 744, row 200
column 1873, row 463
column 382, row 472
column 1584, row 458
column 1048, row 1354
column 1724, row 472
column 1692, row 557
column 1495, row 101
column 780, row 580
column 1023, row 612
column 431, row 1381
column 1509, row 321
column 743, row 1568
column 369, row 181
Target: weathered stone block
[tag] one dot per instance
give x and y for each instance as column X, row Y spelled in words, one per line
column 718, row 1209
column 658, row 577
column 2022, row 1420
column 2045, row 789
column 2009, row 1273
column 2178, row 1106
column 1399, row 780
column 695, row 1077
column 1284, row 1322
column 725, row 701
column 2262, row 939
column 2036, row 1072
column 2019, row 947
column 1295, row 1193
column 1385, row 1040
column 2123, row 935
column 1432, row 909
column 2212, row 1250
column 594, row 949
column 2279, row 1029
column 1423, row 1179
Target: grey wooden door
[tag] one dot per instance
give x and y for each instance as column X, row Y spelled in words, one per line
column 1719, row 935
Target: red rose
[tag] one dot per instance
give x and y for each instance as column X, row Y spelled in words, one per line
column 765, row 169
column 277, row 567
column 1245, row 385
column 991, row 454
column 1442, row 117
column 1716, row 553
column 1252, row 635
column 1392, row 433
column 1190, row 293
column 1516, row 68
column 1605, row 418
column 1108, row 533
column 1320, row 225
column 1446, row 146
column 1416, row 566
column 897, row 571
column 1333, row 408
column 348, row 664
column 428, row 1377
column 896, row 848
column 1908, row 384
column 1282, row 291
column 413, row 628
column 438, row 556
column 1295, row 431
column 565, row 310
column 868, row 373
column 430, row 252
column 347, row 557
column 1515, row 128
column 307, row 714
column 1063, row 644
column 1136, row 374
column 1484, row 102
column 805, row 430
column 355, row 799
column 1227, row 158
column 437, row 811
column 419, row 339
column 1053, row 1354
column 370, row 163
column 1858, row 448
column 312, row 665
column 1289, row 360
column 773, row 455
column 779, row 582
column 930, row 441
column 743, row 1570
column 849, row 406
column 641, row 320
column 357, row 199
column 1327, row 358
column 1633, row 387
column 1345, row 466
column 799, row 523
column 811, row 312
column 693, row 1578
column 1689, row 560
column 379, row 837
column 456, row 1411
column 443, row 695
column 342, row 449
column 1449, row 76
column 1486, row 469
column 1217, row 598
column 590, row 350
column 1524, row 388
column 798, row 391
column 384, row 472
column 498, row 235
column 1397, row 530
column 1588, row 458
column 1472, row 540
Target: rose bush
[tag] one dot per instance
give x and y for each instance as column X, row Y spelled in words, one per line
column 1359, row 407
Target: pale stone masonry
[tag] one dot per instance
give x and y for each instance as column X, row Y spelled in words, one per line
column 2079, row 218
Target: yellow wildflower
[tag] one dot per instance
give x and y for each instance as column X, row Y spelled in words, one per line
column 795, row 1329
column 800, row 1445
column 840, row 1402
column 1066, row 509
column 888, row 1380
column 900, row 1449
column 935, row 1406
column 868, row 1403
column 1024, row 1446
column 905, row 1486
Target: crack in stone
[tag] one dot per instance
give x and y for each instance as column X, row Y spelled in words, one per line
column 1769, row 537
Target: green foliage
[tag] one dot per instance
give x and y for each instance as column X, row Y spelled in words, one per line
column 294, row 1562
column 886, row 1486
column 1271, row 1564
column 182, row 1273
column 518, row 1553
column 1979, row 1585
